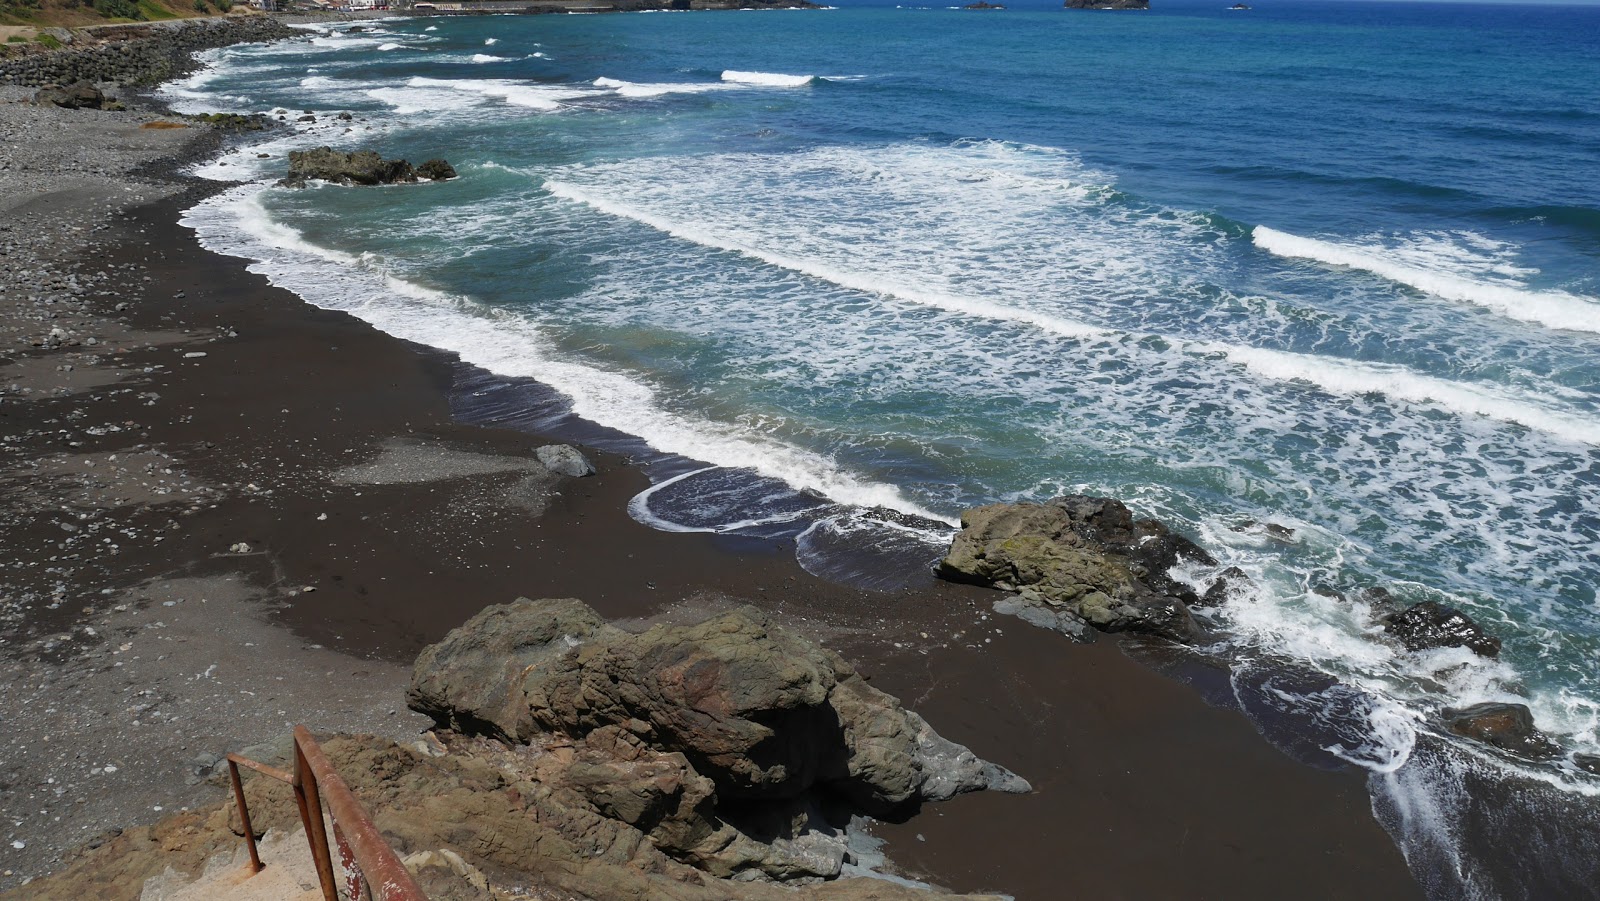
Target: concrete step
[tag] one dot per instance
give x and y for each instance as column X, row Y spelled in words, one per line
column 287, row 875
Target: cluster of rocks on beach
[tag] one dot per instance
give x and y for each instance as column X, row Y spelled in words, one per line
column 1077, row 564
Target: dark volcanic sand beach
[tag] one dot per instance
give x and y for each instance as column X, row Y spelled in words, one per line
column 1143, row 790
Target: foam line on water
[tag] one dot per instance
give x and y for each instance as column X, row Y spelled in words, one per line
column 1556, row 309
column 548, row 99
column 640, row 90
column 639, row 510
column 236, row 222
column 1350, row 377
column 767, row 79
column 1336, row 376
column 817, row 269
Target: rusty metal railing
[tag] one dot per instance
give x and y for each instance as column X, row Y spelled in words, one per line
column 371, row 869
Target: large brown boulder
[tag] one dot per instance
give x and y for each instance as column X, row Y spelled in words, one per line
column 471, row 682
column 1086, row 557
column 758, row 709
column 734, row 744
column 78, row 95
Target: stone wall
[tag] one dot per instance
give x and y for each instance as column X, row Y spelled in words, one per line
column 137, row 54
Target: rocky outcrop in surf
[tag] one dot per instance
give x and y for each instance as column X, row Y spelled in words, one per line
column 1085, row 558
column 1508, row 727
column 1434, row 625
column 733, row 745
column 363, row 167
column 1079, row 563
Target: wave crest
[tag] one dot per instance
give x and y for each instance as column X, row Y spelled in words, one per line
column 1556, row 309
column 768, row 79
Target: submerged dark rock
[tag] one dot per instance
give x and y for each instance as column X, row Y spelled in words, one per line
column 436, row 170
column 1508, row 727
column 1434, row 625
column 1273, row 531
column 1085, row 555
column 1230, row 583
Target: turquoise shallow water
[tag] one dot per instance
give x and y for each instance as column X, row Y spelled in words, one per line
column 1329, row 265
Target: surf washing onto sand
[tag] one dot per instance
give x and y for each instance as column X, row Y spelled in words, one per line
column 839, row 288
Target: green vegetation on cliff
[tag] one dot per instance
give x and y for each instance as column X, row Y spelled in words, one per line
column 68, row 13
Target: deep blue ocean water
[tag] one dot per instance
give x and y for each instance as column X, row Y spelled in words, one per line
column 1334, row 266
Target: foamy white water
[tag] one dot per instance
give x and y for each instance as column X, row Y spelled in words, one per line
column 854, row 280
column 1556, row 309
column 878, row 265
column 768, row 79
column 235, row 223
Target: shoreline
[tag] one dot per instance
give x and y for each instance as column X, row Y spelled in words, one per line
column 1103, row 726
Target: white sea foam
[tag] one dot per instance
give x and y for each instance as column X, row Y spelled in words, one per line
column 1439, row 277
column 859, row 281
column 390, row 46
column 731, row 80
column 1392, row 738
column 841, row 303
column 486, row 58
column 1336, row 376
column 1349, row 377
column 339, row 41
column 547, row 98
column 639, row 508
column 490, row 42
column 410, row 101
column 235, row 222
column 637, row 90
column 767, row 79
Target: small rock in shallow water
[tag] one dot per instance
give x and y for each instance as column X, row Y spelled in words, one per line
column 1434, row 625
column 1230, row 583
column 1508, row 727
column 436, row 170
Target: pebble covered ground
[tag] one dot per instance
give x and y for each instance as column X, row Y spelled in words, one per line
column 121, row 683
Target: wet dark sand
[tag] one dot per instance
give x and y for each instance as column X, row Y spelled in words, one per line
column 1142, row 789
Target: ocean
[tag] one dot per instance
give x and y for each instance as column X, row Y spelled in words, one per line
column 836, row 275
